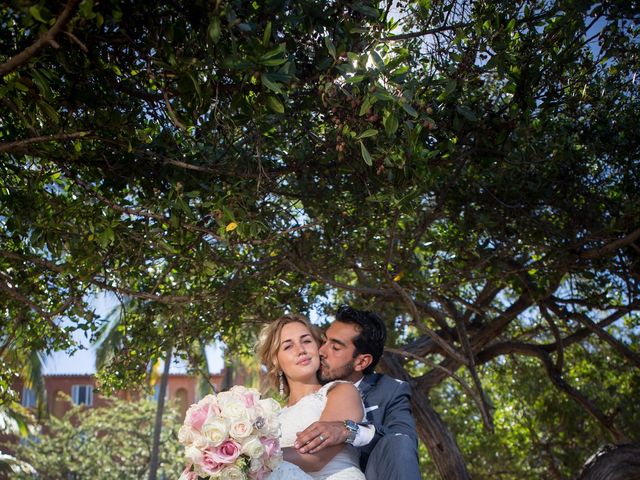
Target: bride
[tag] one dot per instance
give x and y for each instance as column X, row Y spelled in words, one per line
column 288, row 347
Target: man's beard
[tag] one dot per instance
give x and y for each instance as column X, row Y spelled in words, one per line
column 328, row 375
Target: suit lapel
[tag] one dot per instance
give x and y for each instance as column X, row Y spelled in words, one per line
column 368, row 381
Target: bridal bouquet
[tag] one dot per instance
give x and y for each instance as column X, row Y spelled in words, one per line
column 231, row 435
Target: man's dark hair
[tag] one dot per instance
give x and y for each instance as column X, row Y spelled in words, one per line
column 372, row 332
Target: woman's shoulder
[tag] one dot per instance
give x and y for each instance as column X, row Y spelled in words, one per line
column 338, row 386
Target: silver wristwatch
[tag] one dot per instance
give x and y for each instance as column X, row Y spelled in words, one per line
column 353, row 428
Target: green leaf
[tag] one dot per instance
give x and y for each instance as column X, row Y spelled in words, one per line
column 467, row 113
column 382, row 94
column 450, row 87
column 214, row 29
column 49, row 111
column 20, row 86
column 368, row 133
column 274, row 104
column 34, row 11
column 266, row 36
column 196, row 85
column 273, row 52
column 390, row 123
column 355, row 79
column 330, row 46
column 377, row 60
column 365, row 154
column 409, row 109
column 274, row 62
column 273, row 86
column 366, row 105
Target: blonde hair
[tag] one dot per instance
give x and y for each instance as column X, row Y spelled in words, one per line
column 269, row 344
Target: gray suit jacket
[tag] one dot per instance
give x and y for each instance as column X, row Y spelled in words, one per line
column 387, row 403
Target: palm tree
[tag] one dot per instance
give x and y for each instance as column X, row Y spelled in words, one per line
column 112, row 340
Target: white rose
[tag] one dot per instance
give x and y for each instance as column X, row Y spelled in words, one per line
column 273, row 462
column 255, row 465
column 256, row 412
column 209, row 399
column 253, row 448
column 187, row 435
column 239, row 390
column 228, row 397
column 241, row 428
column 193, row 455
column 215, row 430
column 232, row 472
column 201, row 442
column 269, row 406
column 231, row 406
column 271, row 427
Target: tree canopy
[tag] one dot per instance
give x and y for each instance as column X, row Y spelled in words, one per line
column 469, row 169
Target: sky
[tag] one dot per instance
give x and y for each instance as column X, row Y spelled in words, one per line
column 83, row 361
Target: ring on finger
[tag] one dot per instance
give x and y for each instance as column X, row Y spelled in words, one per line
column 322, row 439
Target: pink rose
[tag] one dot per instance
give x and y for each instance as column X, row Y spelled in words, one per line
column 249, row 400
column 196, row 415
column 210, row 465
column 271, row 446
column 226, row 452
column 199, row 413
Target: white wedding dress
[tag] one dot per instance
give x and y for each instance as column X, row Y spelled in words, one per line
column 343, row 466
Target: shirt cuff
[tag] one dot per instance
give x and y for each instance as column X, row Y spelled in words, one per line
column 364, row 436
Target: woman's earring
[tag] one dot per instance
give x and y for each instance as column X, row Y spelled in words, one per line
column 281, row 377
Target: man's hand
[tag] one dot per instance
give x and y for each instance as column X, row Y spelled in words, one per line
column 320, row 435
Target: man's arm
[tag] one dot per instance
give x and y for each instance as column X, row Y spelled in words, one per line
column 397, row 419
column 333, row 433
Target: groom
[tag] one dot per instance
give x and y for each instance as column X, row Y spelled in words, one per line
column 388, row 441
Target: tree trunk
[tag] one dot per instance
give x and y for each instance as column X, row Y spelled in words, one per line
column 433, row 432
column 157, row 429
column 227, row 379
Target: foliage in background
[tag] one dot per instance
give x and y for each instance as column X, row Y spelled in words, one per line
column 112, row 442
column 538, row 434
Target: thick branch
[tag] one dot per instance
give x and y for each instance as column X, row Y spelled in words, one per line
column 483, row 404
column 556, row 335
column 48, row 38
column 19, row 144
column 507, row 348
column 616, row 344
column 424, row 33
column 611, row 247
column 480, row 339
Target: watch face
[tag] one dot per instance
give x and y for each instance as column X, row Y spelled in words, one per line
column 353, row 430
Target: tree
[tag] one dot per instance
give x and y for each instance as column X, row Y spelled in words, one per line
column 111, row 442
column 470, row 172
column 112, row 337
